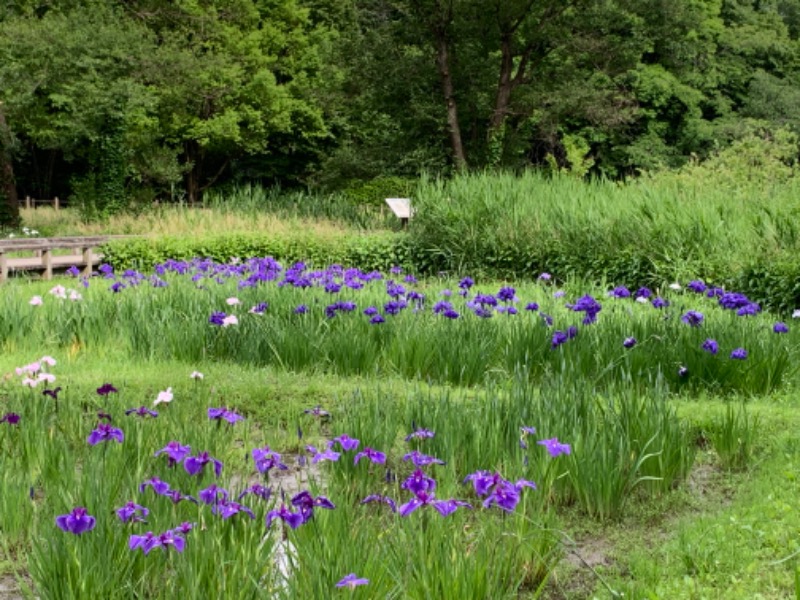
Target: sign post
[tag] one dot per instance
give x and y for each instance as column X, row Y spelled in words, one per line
column 401, row 207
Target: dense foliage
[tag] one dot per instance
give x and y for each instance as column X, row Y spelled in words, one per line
column 111, row 102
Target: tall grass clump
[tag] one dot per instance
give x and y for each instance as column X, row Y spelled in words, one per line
column 646, row 232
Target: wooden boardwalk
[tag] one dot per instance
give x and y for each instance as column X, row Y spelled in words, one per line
column 84, row 254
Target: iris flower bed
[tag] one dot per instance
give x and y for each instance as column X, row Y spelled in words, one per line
column 348, row 322
column 428, row 493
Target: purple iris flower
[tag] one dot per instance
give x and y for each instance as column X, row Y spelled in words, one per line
column 780, row 327
column 419, row 434
column 697, row 286
column 683, row 371
column 149, row 541
column 587, row 305
column 267, row 459
column 177, row 497
column 226, row 509
column 105, row 433
column 532, row 306
column 217, row 318
column 629, row 342
column 451, row 314
column 739, row 354
column 643, row 292
column 733, row 300
column 374, row 455
column 159, row 487
column 132, row 513
column 142, row 411
column 327, row 454
column 419, row 482
column 620, row 292
column 52, row 393
column 526, row 431
column 545, row 277
column 693, row 318
column 507, row 294
column 351, row 581
column 306, row 503
column 257, row 490
column 106, row 389
column 660, row 302
column 378, row 498
column 710, row 346
column 77, row 521
column 377, row 320
column 483, row 481
column 346, row 442
column 423, row 498
column 301, row 309
column 195, row 464
column 224, row 414
column 294, row 520
column 749, row 309
column 370, row 311
column 422, row 460
column 504, row 496
column 466, row 283
column 554, row 447
column 559, row 337
column 317, row 411
column 175, row 452
column 10, row 418
column 213, row 494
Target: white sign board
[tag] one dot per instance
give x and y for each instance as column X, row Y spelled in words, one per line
column 401, row 207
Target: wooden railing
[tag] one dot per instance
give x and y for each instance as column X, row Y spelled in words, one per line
column 84, row 257
column 29, row 202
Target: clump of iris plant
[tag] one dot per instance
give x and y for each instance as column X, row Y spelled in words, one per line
column 78, row 521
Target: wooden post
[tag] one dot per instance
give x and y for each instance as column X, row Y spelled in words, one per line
column 3, row 266
column 56, row 203
column 27, row 202
column 47, row 263
column 87, row 261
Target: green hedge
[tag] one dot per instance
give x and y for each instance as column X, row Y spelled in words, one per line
column 368, row 251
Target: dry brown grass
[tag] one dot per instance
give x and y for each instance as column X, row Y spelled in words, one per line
column 175, row 220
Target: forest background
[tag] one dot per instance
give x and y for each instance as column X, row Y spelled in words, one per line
column 114, row 104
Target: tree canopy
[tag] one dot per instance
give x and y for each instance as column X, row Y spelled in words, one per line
column 113, row 101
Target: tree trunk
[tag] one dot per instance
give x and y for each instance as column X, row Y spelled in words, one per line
column 504, row 86
column 9, row 211
column 194, row 158
column 453, row 128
